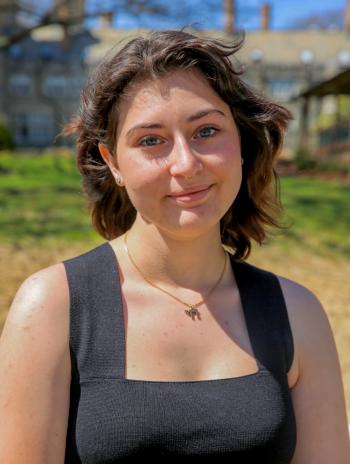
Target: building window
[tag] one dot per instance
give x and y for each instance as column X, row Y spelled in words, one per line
column 15, row 51
column 19, row 85
column 33, row 129
column 61, row 86
column 282, row 89
column 55, row 86
column 75, row 86
column 47, row 52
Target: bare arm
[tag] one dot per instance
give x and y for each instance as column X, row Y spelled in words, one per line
column 318, row 396
column 35, row 371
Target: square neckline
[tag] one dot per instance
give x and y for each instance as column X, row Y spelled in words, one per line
column 119, row 302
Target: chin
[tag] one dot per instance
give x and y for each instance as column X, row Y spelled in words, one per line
column 190, row 227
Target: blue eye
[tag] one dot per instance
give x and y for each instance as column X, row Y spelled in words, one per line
column 146, row 139
column 206, row 129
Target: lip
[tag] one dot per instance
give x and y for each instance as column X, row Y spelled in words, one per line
column 195, row 193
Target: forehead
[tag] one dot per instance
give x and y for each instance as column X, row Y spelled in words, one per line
column 179, row 82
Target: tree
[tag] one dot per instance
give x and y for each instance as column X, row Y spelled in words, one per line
column 58, row 12
column 219, row 14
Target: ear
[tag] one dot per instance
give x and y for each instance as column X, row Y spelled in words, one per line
column 111, row 163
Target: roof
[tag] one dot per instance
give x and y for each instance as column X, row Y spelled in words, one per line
column 337, row 85
column 279, row 47
column 284, row 47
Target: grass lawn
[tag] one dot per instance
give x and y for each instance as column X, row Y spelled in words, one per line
column 43, row 220
column 41, row 199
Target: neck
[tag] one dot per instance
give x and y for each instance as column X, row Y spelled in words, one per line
column 194, row 262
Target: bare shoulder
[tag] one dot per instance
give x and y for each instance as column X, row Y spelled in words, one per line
column 43, row 295
column 53, row 276
column 318, row 392
column 305, row 311
column 35, row 369
column 297, row 294
column 39, row 315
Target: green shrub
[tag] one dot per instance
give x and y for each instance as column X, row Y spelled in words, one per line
column 6, row 140
column 334, row 166
column 303, row 161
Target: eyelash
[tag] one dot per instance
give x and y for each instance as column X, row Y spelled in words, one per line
column 154, row 137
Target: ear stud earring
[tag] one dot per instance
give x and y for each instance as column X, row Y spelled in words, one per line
column 119, row 181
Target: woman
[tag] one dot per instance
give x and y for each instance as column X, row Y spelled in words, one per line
column 163, row 341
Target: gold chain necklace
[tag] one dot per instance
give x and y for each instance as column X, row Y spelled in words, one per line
column 193, row 308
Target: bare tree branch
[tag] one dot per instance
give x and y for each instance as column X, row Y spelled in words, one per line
column 54, row 16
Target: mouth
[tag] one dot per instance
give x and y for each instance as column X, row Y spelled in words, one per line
column 188, row 197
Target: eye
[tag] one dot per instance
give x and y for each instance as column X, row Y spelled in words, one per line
column 207, row 129
column 147, row 139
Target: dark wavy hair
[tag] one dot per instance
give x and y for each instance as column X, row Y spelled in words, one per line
column 261, row 124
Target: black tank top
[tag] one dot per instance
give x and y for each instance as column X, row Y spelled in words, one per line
column 247, row 419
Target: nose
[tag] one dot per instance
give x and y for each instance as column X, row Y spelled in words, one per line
column 184, row 161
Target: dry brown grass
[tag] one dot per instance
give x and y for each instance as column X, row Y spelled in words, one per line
column 328, row 278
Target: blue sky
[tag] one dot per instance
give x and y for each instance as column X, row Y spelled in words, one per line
column 283, row 13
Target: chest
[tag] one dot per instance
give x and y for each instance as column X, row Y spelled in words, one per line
column 164, row 343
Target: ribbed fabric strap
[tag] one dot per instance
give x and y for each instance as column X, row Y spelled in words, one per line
column 266, row 316
column 96, row 316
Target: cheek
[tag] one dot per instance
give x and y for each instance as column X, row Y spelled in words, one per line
column 229, row 145
column 143, row 181
column 229, row 170
column 229, row 159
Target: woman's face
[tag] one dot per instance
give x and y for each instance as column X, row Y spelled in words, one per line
column 176, row 135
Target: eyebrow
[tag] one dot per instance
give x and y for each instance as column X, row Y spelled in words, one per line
column 200, row 114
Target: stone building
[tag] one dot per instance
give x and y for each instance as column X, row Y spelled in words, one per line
column 41, row 77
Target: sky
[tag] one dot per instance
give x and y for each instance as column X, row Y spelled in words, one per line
column 283, row 13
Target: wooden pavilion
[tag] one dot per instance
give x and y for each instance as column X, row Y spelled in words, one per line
column 334, row 140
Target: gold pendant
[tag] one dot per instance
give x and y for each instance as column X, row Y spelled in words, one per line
column 192, row 312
